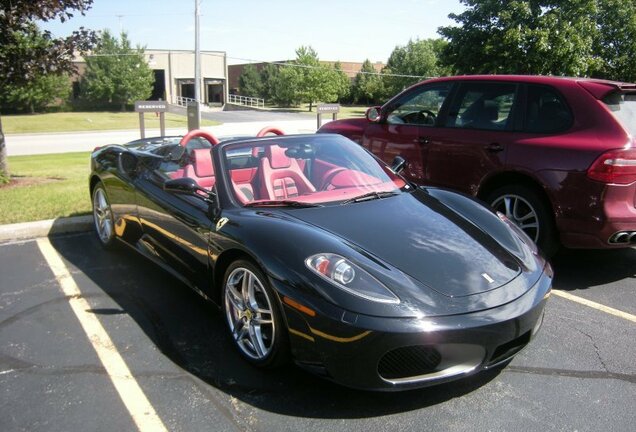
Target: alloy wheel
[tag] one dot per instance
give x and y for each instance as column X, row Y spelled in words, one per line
column 249, row 313
column 521, row 212
column 103, row 216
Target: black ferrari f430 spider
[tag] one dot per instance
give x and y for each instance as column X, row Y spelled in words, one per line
column 318, row 252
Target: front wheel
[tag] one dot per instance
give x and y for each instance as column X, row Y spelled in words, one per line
column 253, row 316
column 523, row 206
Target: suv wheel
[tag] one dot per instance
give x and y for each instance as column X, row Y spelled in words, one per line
column 528, row 210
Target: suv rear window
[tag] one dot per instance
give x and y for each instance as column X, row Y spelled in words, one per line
column 623, row 106
column 546, row 112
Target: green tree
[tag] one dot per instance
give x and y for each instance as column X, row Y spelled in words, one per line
column 368, row 86
column 116, row 73
column 519, row 36
column 616, row 42
column 37, row 93
column 269, row 76
column 417, row 60
column 250, row 83
column 27, row 54
column 341, row 81
column 285, row 86
column 306, row 80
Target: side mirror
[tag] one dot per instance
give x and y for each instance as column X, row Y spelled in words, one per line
column 398, row 164
column 127, row 164
column 184, row 185
column 374, row 114
column 188, row 186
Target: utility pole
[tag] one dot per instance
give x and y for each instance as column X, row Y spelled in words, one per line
column 197, row 63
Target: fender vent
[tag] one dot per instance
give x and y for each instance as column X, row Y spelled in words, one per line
column 409, row 361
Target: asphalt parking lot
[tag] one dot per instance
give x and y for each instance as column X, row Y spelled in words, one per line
column 169, row 363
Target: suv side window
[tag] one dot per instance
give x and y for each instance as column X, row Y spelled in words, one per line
column 420, row 107
column 483, row 105
column 546, row 111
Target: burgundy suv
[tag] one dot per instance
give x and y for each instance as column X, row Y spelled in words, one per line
column 555, row 155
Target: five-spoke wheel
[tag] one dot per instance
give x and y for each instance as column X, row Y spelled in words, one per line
column 252, row 314
column 103, row 216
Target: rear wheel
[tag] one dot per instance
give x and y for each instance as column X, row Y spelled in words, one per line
column 103, row 217
column 253, row 316
column 526, row 208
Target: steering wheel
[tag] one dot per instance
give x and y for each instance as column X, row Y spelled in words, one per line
column 198, row 133
column 428, row 116
column 329, row 175
column 269, row 129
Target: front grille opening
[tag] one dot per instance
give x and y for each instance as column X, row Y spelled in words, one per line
column 510, row 348
column 411, row 361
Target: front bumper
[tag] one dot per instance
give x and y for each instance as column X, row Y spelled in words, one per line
column 388, row 354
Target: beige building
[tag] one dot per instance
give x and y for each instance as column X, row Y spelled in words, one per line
column 174, row 75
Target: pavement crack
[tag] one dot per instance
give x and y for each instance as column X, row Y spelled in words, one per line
column 596, row 349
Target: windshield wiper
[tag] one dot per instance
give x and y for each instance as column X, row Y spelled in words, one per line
column 281, row 203
column 369, row 196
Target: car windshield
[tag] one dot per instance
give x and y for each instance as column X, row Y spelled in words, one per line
column 306, row 170
column 623, row 106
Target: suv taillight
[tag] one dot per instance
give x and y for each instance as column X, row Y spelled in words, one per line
column 614, row 166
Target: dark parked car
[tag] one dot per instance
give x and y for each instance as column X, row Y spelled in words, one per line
column 555, row 155
column 317, row 250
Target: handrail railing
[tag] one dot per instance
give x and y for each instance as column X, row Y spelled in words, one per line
column 184, row 101
column 246, row 101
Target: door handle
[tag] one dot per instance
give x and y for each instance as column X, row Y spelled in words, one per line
column 494, row 147
column 423, row 140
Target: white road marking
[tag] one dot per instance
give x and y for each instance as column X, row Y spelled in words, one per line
column 133, row 397
column 597, row 306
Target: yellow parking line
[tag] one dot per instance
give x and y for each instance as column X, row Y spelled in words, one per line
column 597, row 306
column 133, row 397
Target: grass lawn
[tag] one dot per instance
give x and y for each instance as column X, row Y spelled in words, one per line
column 346, row 111
column 46, row 187
column 89, row 121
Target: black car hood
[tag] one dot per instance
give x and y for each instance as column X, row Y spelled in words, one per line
column 423, row 238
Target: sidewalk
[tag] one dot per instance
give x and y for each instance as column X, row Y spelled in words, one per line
column 42, row 143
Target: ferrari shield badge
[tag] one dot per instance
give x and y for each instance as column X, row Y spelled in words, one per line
column 221, row 223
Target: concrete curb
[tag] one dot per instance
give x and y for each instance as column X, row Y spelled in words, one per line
column 45, row 228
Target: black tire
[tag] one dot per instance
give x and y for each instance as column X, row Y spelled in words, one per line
column 269, row 346
column 103, row 219
column 528, row 201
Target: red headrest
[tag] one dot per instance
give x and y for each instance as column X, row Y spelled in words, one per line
column 202, row 161
column 277, row 157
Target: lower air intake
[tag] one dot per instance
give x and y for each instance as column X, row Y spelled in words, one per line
column 409, row 361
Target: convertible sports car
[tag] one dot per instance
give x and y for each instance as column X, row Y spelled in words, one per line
column 318, row 251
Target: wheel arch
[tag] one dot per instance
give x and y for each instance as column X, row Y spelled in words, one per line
column 92, row 183
column 514, row 178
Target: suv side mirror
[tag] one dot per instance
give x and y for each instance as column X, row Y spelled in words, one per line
column 398, row 164
column 374, row 114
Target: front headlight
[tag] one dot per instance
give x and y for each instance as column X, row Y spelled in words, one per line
column 347, row 276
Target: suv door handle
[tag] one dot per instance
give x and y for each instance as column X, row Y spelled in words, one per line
column 494, row 147
column 423, row 140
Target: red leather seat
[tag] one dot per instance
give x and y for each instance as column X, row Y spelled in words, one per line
column 201, row 168
column 281, row 176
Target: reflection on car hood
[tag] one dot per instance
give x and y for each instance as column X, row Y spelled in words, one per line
column 423, row 238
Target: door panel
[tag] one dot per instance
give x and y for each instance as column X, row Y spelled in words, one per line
column 176, row 229
column 478, row 131
column 407, row 126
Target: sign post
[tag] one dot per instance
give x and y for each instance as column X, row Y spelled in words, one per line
column 151, row 106
column 326, row 109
